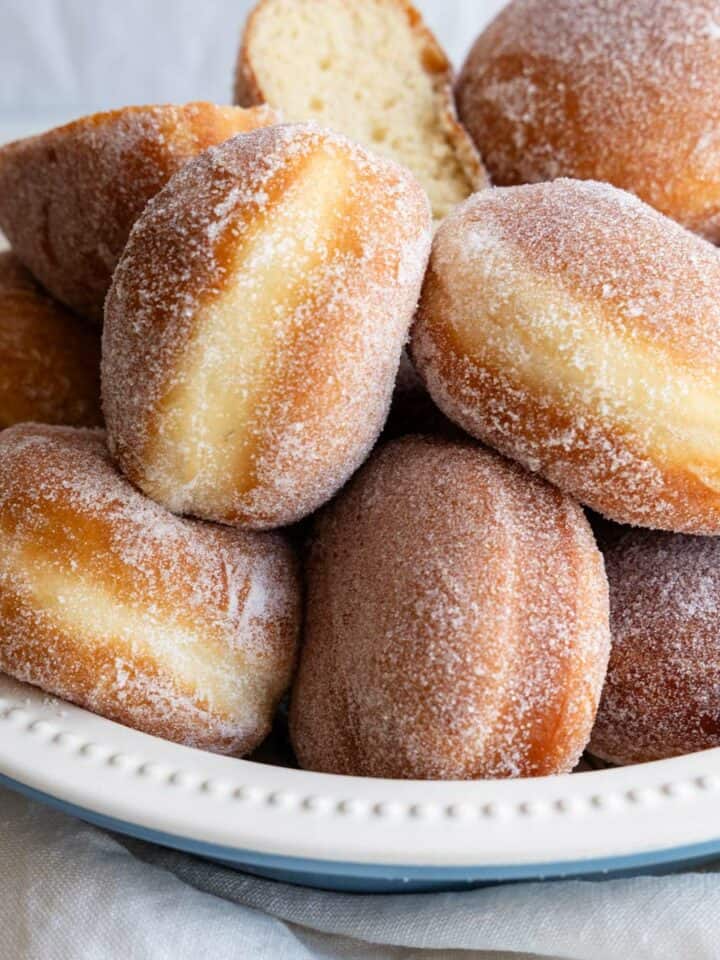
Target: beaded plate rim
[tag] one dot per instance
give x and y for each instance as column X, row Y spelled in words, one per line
column 79, row 758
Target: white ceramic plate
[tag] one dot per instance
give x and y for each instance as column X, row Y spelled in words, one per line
column 353, row 833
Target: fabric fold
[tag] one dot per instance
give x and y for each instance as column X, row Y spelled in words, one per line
column 70, row 891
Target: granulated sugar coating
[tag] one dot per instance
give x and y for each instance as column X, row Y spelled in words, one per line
column 457, row 621
column 626, row 91
column 662, row 696
column 49, row 358
column 577, row 330
column 182, row 629
column 69, row 197
column 255, row 324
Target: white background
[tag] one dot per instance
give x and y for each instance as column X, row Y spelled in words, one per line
column 62, row 58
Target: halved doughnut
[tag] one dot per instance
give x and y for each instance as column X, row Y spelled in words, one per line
column 370, row 69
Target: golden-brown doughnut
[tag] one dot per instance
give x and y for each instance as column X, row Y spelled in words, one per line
column 626, row 91
column 69, row 197
column 255, row 323
column 456, row 625
column 577, row 330
column 49, row 359
column 182, row 629
column 662, row 694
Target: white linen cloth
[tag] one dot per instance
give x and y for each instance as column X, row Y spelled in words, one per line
column 71, row 892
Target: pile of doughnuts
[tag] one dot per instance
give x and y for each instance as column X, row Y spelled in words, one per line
column 274, row 498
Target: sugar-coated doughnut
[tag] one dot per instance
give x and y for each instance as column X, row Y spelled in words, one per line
column 662, row 694
column 69, row 197
column 182, row 629
column 49, row 358
column 370, row 69
column 577, row 330
column 255, row 323
column 456, row 622
column 625, row 91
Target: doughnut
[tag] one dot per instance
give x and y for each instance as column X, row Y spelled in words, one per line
column 255, row 323
column 69, row 197
column 178, row 628
column 575, row 329
column 623, row 91
column 370, row 69
column 456, row 621
column 49, row 359
column 662, row 693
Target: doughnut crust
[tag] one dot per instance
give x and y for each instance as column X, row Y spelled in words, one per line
column 255, row 323
column 662, row 694
column 69, row 197
column 575, row 329
column 623, row 91
column 49, row 359
column 182, row 629
column 456, row 622
column 370, row 69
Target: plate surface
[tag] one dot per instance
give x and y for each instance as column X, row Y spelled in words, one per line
column 352, row 833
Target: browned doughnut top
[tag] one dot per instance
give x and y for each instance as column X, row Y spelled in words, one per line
column 662, row 694
column 576, row 329
column 183, row 629
column 69, row 197
column 626, row 91
column 49, row 358
column 456, row 621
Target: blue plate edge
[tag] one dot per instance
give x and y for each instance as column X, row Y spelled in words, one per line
column 336, row 875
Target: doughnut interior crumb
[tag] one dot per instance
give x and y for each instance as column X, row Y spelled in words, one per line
column 370, row 70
